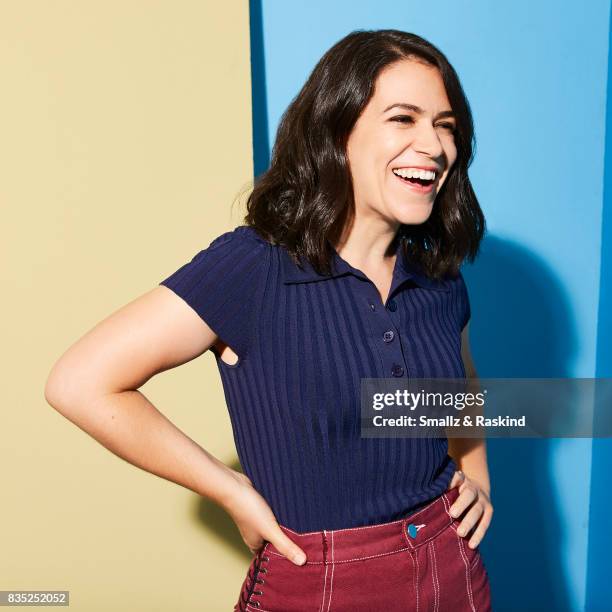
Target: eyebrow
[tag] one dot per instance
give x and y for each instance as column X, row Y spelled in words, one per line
column 418, row 110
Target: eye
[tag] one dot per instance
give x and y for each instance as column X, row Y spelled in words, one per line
column 450, row 126
column 407, row 119
column 403, row 119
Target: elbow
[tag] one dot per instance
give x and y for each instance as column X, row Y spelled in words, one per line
column 54, row 394
column 69, row 388
column 59, row 389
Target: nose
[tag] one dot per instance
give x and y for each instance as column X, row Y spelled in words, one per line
column 425, row 140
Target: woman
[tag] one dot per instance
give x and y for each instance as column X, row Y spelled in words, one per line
column 347, row 267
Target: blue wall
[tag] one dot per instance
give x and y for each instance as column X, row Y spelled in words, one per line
column 536, row 78
column 599, row 585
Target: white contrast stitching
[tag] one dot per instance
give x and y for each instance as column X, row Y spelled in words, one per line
column 416, row 558
column 474, row 561
column 354, row 559
column 325, row 579
column 446, row 506
column 468, row 576
column 414, row 579
column 331, row 580
column 434, row 574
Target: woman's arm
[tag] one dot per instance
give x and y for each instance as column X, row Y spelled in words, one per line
column 470, row 454
column 94, row 384
column 474, row 502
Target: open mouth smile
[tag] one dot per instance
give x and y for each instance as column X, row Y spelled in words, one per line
column 421, row 181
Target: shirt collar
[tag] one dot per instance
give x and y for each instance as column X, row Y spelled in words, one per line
column 404, row 270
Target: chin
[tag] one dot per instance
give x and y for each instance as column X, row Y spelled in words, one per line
column 412, row 214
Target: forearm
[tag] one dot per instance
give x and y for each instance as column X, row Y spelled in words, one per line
column 132, row 428
column 470, row 454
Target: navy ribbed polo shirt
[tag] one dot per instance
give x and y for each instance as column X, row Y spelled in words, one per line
column 304, row 342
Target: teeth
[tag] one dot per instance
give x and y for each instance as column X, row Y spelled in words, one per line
column 426, row 175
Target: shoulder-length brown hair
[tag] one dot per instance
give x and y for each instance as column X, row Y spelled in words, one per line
column 305, row 197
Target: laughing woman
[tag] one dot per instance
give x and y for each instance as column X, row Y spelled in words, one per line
column 346, row 267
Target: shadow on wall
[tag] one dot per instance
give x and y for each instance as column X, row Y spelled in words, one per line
column 521, row 327
column 261, row 141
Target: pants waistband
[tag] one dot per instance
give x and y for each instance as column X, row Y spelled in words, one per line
column 355, row 543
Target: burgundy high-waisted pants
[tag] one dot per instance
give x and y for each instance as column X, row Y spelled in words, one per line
column 419, row 563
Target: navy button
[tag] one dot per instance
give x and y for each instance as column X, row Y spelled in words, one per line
column 397, row 370
column 392, row 305
column 388, row 336
column 372, row 307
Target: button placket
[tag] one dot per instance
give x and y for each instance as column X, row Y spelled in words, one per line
column 386, row 332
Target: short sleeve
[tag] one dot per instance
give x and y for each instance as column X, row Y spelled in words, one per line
column 463, row 302
column 223, row 282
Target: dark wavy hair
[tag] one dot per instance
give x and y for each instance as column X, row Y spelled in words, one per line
column 305, row 197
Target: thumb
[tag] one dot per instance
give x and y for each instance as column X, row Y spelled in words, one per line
column 287, row 547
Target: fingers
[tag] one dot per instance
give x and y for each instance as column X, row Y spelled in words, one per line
column 287, row 547
column 479, row 515
column 467, row 495
column 470, row 519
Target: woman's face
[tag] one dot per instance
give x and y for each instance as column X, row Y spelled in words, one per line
column 389, row 138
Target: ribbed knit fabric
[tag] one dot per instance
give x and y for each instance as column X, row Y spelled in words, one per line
column 304, row 342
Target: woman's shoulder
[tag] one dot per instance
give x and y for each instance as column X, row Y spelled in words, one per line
column 248, row 232
column 224, row 282
column 242, row 235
